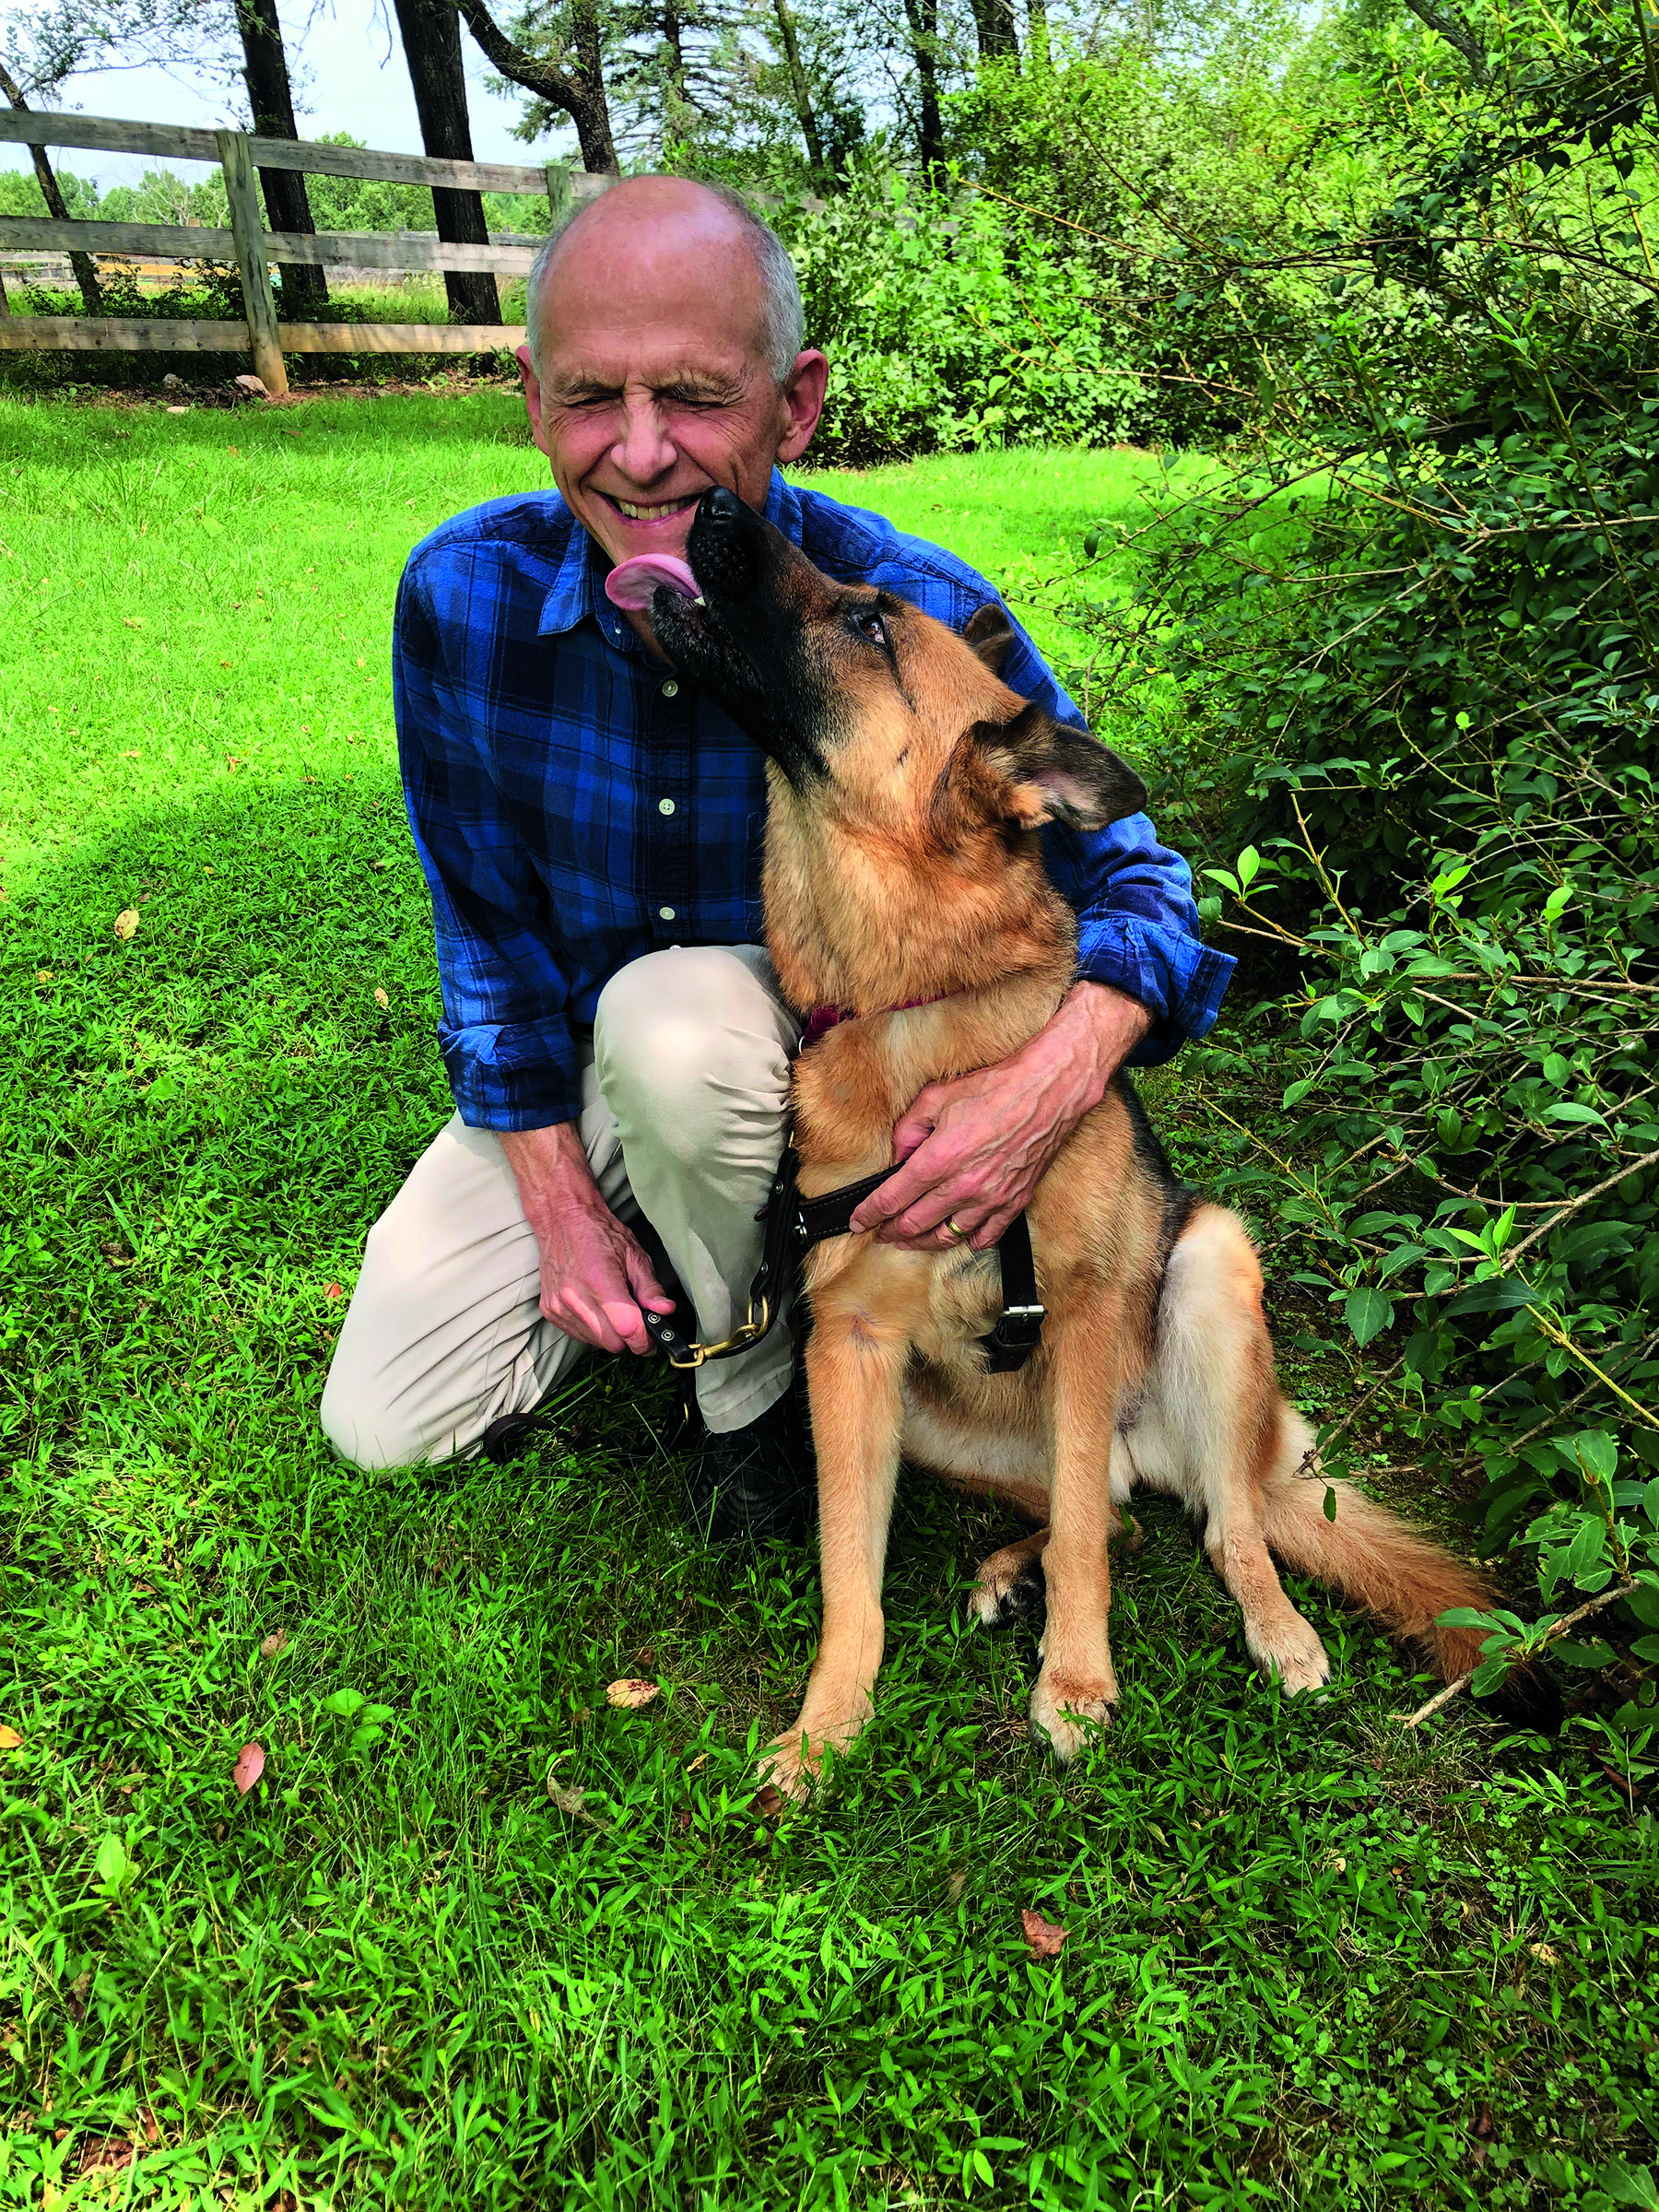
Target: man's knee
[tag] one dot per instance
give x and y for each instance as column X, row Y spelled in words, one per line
column 363, row 1426
column 679, row 1035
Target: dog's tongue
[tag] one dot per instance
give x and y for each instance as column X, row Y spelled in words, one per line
column 631, row 583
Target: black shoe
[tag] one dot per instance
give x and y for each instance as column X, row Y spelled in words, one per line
column 752, row 1483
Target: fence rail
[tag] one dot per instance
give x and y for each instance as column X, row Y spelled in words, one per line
column 252, row 248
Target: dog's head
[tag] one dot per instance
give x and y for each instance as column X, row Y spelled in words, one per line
column 874, row 711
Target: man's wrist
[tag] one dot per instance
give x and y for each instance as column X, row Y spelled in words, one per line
column 1113, row 1023
column 551, row 1169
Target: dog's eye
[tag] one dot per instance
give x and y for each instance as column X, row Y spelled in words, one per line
column 869, row 624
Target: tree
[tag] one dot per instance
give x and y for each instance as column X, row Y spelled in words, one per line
column 86, row 273
column 578, row 92
column 431, row 38
column 270, row 98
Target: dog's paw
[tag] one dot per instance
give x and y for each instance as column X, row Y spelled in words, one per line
column 1066, row 1708
column 1129, row 1535
column 790, row 1769
column 1291, row 1650
column 1007, row 1588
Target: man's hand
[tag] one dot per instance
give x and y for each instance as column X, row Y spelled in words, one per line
column 595, row 1277
column 975, row 1149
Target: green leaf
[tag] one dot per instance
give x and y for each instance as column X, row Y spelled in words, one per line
column 1646, row 1648
column 1594, row 1655
column 344, row 1703
column 1330, row 1502
column 1487, row 1675
column 1596, row 1452
column 1465, row 1617
column 113, row 1866
column 1368, row 1312
column 1629, row 2186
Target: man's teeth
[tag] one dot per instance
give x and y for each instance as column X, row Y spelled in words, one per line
column 654, row 515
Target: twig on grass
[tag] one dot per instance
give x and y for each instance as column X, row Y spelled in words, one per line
column 1568, row 1620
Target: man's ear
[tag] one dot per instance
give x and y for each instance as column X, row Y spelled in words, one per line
column 1057, row 773
column 990, row 635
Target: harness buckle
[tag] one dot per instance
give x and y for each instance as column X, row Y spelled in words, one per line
column 1017, row 1335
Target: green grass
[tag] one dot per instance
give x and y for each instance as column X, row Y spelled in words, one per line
column 1312, row 1961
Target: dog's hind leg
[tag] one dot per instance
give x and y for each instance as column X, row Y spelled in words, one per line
column 1213, row 1429
column 1008, row 1586
column 1076, row 1685
column 853, row 1370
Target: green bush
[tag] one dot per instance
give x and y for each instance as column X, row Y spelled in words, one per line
column 1416, row 633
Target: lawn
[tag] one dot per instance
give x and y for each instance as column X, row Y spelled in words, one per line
column 1312, row 1961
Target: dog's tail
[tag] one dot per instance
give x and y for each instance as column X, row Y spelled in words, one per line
column 1370, row 1556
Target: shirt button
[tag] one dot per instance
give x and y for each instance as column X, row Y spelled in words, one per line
column 671, row 689
column 667, row 912
column 665, row 806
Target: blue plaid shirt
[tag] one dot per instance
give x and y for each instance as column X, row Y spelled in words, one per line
column 574, row 806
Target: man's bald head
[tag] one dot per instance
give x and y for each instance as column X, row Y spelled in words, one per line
column 675, row 221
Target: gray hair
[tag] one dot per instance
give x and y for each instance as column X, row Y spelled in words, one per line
column 784, row 317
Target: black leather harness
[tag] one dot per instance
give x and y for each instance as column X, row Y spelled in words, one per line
column 794, row 1225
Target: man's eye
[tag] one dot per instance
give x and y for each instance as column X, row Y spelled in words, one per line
column 870, row 624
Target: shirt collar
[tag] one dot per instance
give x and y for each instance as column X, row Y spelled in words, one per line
column 579, row 587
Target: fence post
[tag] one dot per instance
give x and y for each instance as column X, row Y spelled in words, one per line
column 559, row 191
column 258, row 305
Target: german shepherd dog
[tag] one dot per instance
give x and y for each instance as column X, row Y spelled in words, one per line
column 907, row 787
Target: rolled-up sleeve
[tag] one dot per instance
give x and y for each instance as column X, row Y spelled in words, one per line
column 507, row 1042
column 1137, row 927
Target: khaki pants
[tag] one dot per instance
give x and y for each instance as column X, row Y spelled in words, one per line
column 682, row 1117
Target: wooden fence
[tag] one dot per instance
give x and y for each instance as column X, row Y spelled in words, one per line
column 252, row 248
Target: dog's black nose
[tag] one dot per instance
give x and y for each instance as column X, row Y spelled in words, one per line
column 719, row 506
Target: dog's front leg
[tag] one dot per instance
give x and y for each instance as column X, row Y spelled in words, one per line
column 852, row 1376
column 1076, row 1685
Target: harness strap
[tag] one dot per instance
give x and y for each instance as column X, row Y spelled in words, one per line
column 794, row 1225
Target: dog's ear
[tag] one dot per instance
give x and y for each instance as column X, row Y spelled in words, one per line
column 1054, row 773
column 990, row 634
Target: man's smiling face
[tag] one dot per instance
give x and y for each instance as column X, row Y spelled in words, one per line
column 654, row 382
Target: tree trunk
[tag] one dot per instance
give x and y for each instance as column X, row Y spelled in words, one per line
column 993, row 30
column 86, row 274
column 270, row 96
column 580, row 92
column 799, row 90
column 1457, row 35
column 431, row 39
column 922, row 16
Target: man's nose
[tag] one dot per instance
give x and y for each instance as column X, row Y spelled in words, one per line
column 644, row 449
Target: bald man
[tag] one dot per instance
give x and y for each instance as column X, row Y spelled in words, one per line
column 591, row 832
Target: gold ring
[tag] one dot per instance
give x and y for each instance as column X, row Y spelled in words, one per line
column 955, row 1231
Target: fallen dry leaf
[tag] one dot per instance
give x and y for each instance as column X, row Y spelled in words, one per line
column 134, row 621
column 233, row 762
column 574, row 1803
column 234, row 449
column 146, row 2120
column 379, row 997
column 956, row 1882
column 1043, row 1939
column 9, row 1739
column 132, row 753
column 700, row 1760
column 771, row 1801
column 105, row 2154
column 226, row 664
column 270, row 1645
column 42, row 975
column 630, row 1692
column 250, row 1766
column 333, row 1290
column 126, row 923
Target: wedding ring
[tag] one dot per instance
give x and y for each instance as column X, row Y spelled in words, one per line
column 954, row 1230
